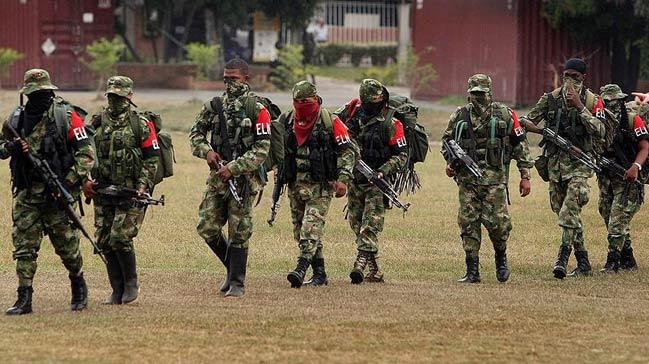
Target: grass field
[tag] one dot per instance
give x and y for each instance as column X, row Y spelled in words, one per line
column 419, row 315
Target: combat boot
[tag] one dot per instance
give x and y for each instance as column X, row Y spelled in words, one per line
column 220, row 249
column 583, row 265
column 115, row 279
column 374, row 275
column 627, row 260
column 502, row 269
column 319, row 277
column 24, row 303
column 129, row 272
column 359, row 266
column 561, row 265
column 79, row 290
column 238, row 262
column 612, row 262
column 472, row 275
column 296, row 277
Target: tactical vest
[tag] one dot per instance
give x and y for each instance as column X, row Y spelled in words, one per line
column 119, row 152
column 491, row 141
column 373, row 137
column 54, row 146
column 565, row 121
column 316, row 156
column 234, row 137
column 624, row 144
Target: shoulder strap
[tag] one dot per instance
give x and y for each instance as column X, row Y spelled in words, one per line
column 217, row 106
column 61, row 118
column 591, row 99
column 327, row 120
column 251, row 107
column 466, row 116
column 136, row 126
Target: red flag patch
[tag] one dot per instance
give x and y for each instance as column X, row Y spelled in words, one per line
column 77, row 128
column 341, row 134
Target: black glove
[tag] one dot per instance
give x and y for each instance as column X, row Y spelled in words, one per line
column 11, row 146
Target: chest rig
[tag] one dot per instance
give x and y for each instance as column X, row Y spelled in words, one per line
column 232, row 125
column 119, row 150
column 565, row 121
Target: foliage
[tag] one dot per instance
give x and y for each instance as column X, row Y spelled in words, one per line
column 332, row 53
column 105, row 54
column 204, row 57
column 386, row 75
column 8, row 56
column 289, row 69
column 295, row 14
column 418, row 75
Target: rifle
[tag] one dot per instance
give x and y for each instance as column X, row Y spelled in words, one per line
column 566, row 146
column 278, row 190
column 144, row 199
column 381, row 184
column 456, row 156
column 58, row 190
column 619, row 171
column 232, row 186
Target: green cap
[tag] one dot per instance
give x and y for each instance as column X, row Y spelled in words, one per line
column 120, row 85
column 612, row 92
column 479, row 83
column 371, row 91
column 303, row 90
column 36, row 79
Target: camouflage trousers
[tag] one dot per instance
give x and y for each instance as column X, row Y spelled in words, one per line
column 33, row 217
column 117, row 224
column 218, row 208
column 567, row 198
column 309, row 207
column 483, row 205
column 366, row 213
column 616, row 215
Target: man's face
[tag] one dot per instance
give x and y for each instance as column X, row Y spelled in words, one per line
column 574, row 74
column 234, row 75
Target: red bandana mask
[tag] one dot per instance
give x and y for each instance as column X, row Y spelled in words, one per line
column 306, row 115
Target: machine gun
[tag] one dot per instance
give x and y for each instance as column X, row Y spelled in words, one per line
column 385, row 187
column 278, row 190
column 140, row 199
column 619, row 171
column 565, row 145
column 456, row 156
column 232, row 186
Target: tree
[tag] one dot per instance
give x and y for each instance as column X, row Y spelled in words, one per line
column 204, row 57
column 622, row 25
column 105, row 54
column 8, row 56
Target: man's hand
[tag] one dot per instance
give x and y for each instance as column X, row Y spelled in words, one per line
column 19, row 144
column 450, row 172
column 88, row 189
column 572, row 99
column 224, row 173
column 340, row 189
column 525, row 187
column 640, row 97
column 631, row 174
column 213, row 159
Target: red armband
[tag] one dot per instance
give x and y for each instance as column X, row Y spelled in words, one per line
column 341, row 134
column 263, row 123
column 77, row 129
column 399, row 137
column 152, row 140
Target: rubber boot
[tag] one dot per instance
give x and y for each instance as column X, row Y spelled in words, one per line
column 502, row 269
column 319, row 277
column 79, row 290
column 612, row 262
column 627, row 260
column 583, row 265
column 296, row 276
column 129, row 272
column 238, row 262
column 356, row 274
column 220, row 249
column 115, row 278
column 561, row 265
column 472, row 275
column 23, row 304
column 374, row 275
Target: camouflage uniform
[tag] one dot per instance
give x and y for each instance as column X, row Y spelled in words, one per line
column 483, row 201
column 59, row 128
column 568, row 178
column 613, row 190
column 127, row 154
column 325, row 156
column 383, row 147
column 248, row 132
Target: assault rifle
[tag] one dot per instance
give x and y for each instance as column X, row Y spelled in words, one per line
column 381, row 184
column 232, row 185
column 455, row 156
column 278, row 190
column 58, row 190
column 565, row 145
column 141, row 199
column 619, row 171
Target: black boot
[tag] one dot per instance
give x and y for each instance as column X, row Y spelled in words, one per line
column 238, row 262
column 24, row 303
column 374, row 275
column 359, row 265
column 627, row 260
column 472, row 275
column 612, row 262
column 319, row 275
column 129, row 272
column 583, row 265
column 296, row 277
column 79, row 290
column 220, row 249
column 115, row 279
column 502, row 269
column 561, row 265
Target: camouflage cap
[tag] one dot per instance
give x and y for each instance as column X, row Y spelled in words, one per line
column 303, row 90
column 371, row 91
column 120, row 85
column 479, row 83
column 36, row 79
column 612, row 92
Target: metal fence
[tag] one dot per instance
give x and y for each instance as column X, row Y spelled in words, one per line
column 360, row 22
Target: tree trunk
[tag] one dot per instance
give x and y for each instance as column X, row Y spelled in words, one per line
column 619, row 62
column 633, row 70
column 100, row 87
column 189, row 20
column 219, row 25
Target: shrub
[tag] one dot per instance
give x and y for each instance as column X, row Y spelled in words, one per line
column 204, row 57
column 332, row 53
column 105, row 54
column 289, row 68
column 8, row 56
